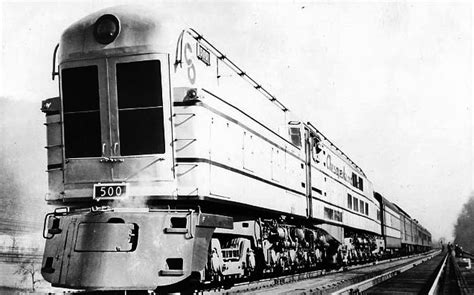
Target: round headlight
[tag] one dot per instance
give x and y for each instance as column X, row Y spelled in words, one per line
column 106, row 29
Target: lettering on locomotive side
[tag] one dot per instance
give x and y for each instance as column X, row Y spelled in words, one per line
column 341, row 173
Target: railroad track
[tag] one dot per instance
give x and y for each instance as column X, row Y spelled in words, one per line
column 426, row 273
column 341, row 281
column 440, row 275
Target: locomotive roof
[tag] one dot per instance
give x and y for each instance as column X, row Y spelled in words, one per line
column 414, row 220
column 140, row 28
column 403, row 211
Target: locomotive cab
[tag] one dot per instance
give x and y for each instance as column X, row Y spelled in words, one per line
column 115, row 110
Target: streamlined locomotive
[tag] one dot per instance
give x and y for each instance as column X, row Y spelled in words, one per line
column 168, row 163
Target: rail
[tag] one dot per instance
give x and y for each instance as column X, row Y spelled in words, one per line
column 435, row 287
column 437, row 276
column 376, row 280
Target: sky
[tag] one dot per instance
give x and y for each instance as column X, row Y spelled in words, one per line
column 390, row 83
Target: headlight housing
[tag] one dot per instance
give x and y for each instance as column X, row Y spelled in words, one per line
column 106, row 29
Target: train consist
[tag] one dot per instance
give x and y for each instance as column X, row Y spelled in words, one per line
column 169, row 164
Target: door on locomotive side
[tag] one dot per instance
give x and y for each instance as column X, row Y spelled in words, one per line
column 312, row 149
column 308, row 147
column 117, row 122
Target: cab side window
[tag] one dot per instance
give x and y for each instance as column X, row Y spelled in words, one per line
column 315, row 147
column 295, row 135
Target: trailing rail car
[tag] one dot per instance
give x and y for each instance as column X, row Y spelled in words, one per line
column 390, row 219
column 401, row 233
column 414, row 237
column 169, row 164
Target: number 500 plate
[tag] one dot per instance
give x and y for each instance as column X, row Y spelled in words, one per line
column 110, row 190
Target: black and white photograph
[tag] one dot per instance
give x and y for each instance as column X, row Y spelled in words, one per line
column 224, row 147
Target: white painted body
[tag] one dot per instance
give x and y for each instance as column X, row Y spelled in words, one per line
column 234, row 168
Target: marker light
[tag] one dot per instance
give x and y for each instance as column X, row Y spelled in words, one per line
column 106, row 29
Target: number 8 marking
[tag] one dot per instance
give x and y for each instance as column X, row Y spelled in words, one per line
column 189, row 61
